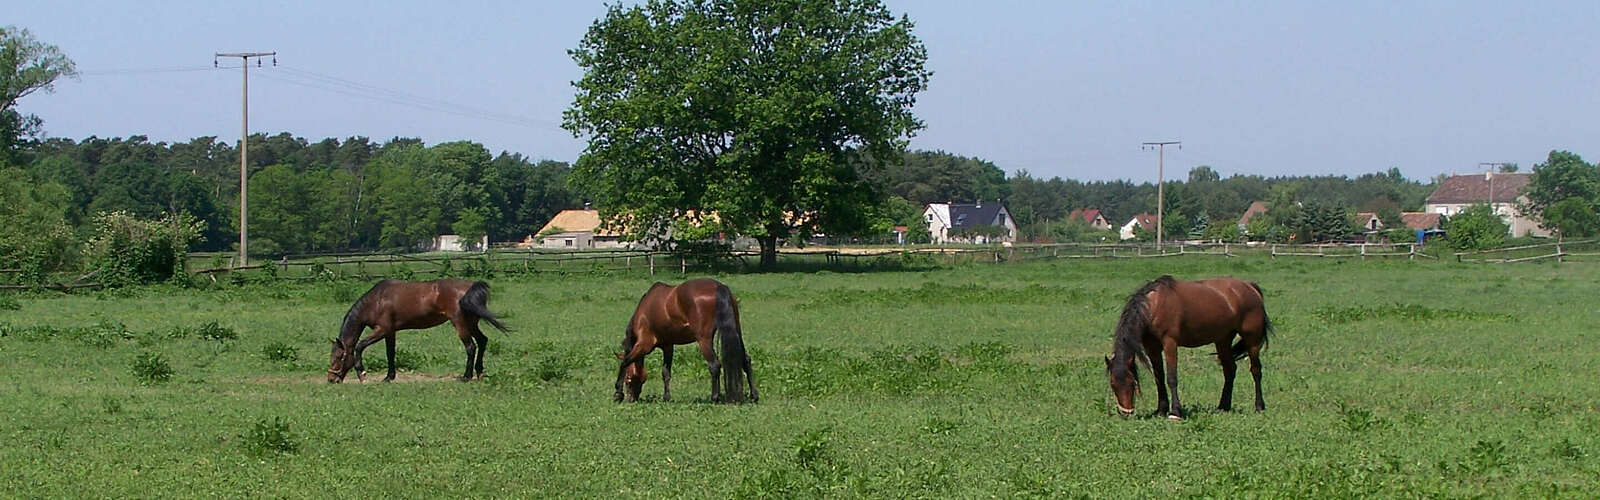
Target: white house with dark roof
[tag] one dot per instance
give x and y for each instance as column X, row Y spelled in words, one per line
column 964, row 223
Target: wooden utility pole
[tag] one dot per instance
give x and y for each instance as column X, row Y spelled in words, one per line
column 1161, row 195
column 1489, row 175
column 244, row 146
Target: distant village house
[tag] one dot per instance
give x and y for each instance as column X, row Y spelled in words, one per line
column 1092, row 216
column 574, row 230
column 1146, row 221
column 970, row 223
column 1503, row 191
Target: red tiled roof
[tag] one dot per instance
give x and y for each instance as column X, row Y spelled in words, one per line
column 1474, row 188
column 1146, row 221
column 1258, row 207
column 1421, row 220
column 1087, row 214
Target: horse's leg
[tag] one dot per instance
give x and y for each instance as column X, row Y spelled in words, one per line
column 750, row 379
column 666, row 373
column 1255, row 372
column 713, row 365
column 635, row 355
column 1229, row 366
column 483, row 346
column 388, row 351
column 378, row 332
column 466, row 344
column 1152, row 350
column 1170, row 352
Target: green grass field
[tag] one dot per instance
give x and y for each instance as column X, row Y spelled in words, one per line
column 1384, row 378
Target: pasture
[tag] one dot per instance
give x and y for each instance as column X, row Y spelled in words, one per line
column 1392, row 378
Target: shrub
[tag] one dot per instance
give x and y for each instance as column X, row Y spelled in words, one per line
column 270, row 438
column 151, row 368
column 279, row 351
column 127, row 250
column 213, row 331
column 1476, row 228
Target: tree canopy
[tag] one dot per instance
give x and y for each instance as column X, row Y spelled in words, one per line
column 766, row 114
column 26, row 66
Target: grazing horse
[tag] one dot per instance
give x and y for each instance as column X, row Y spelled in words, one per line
column 634, row 379
column 690, row 312
column 1167, row 313
column 391, row 306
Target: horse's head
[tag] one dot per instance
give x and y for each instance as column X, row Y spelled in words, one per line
column 1124, row 376
column 339, row 362
column 633, row 379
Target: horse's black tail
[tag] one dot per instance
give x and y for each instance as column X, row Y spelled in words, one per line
column 1239, row 349
column 735, row 361
column 476, row 301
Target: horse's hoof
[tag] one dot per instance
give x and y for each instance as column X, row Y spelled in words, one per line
column 1174, row 418
column 388, row 379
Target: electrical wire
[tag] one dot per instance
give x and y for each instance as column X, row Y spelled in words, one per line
column 351, row 91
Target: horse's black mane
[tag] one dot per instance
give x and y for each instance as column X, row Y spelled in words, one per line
column 1129, row 339
column 355, row 319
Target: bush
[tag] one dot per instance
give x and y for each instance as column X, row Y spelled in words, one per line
column 270, row 438
column 213, row 331
column 279, row 351
column 151, row 368
column 127, row 251
column 1476, row 228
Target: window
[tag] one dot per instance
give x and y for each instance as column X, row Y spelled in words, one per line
column 569, row 242
column 930, row 216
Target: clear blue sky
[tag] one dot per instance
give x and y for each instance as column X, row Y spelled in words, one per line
column 1057, row 88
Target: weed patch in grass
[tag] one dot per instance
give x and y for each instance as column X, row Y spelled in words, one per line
column 151, row 368
column 270, row 438
column 280, row 352
column 1407, row 312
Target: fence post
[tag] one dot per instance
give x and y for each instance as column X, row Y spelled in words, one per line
column 652, row 258
column 1363, row 251
column 1558, row 249
column 1412, row 255
column 683, row 265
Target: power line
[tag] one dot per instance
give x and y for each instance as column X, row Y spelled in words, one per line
column 507, row 119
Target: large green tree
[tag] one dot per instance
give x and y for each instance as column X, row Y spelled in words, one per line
column 26, row 66
column 1562, row 177
column 752, row 110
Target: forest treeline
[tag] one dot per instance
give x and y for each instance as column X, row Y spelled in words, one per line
column 356, row 193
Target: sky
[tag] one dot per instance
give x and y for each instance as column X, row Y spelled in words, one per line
column 1065, row 89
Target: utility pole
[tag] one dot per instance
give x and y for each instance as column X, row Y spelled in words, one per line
column 1161, row 195
column 244, row 146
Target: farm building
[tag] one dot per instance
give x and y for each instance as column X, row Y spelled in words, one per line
column 1369, row 221
column 454, row 243
column 1256, row 208
column 970, row 223
column 1421, row 220
column 1503, row 191
column 1144, row 220
column 1092, row 216
column 575, row 229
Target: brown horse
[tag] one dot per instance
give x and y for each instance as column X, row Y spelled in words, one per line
column 1167, row 313
column 690, row 312
column 391, row 306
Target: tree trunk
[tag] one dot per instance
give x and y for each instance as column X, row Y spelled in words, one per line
column 769, row 252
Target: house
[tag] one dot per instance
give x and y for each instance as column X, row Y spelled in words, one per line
column 970, row 223
column 574, row 229
column 1503, row 191
column 1144, row 220
column 454, row 243
column 1256, row 208
column 1368, row 221
column 1092, row 216
column 900, row 234
column 1422, row 220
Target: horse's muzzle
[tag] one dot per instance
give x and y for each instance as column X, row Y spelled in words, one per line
column 1124, row 411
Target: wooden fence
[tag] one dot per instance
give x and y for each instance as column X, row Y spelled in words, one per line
column 1560, row 251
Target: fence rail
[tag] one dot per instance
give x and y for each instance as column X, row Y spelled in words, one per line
column 392, row 264
column 1561, row 251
